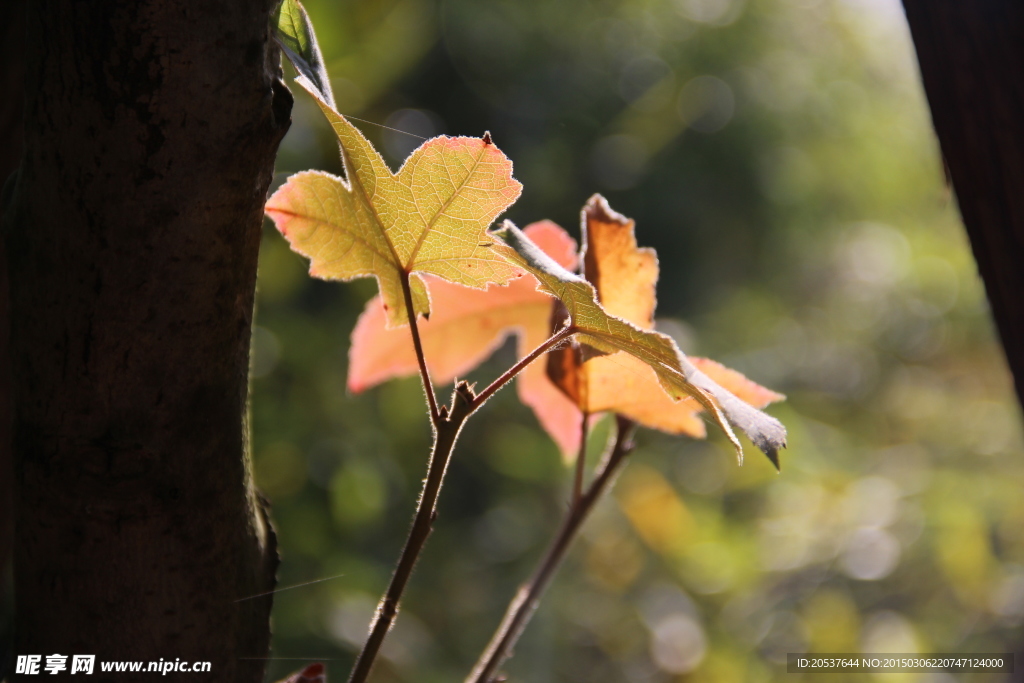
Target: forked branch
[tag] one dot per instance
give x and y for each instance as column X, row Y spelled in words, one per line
column 447, row 425
column 506, row 377
column 446, row 433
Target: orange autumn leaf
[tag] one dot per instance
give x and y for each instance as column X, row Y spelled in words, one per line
column 625, row 277
column 597, row 331
column 468, row 325
column 465, row 327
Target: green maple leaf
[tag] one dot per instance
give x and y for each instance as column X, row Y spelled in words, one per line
column 429, row 217
column 595, row 327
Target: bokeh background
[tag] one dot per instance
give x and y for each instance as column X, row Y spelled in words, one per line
column 778, row 154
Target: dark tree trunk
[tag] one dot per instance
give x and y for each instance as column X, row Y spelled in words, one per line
column 11, row 72
column 972, row 63
column 132, row 238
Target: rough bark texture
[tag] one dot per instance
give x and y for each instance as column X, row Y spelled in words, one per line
column 132, row 241
column 11, row 68
column 972, row 63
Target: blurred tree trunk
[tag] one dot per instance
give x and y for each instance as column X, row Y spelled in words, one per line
column 132, row 234
column 972, row 64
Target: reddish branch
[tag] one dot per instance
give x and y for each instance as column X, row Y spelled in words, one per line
column 447, row 425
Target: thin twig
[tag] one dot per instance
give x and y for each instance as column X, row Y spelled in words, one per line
column 446, row 431
column 526, row 599
column 581, row 461
column 507, row 376
column 428, row 386
column 445, row 436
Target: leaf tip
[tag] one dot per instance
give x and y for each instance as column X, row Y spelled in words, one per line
column 487, row 138
column 501, row 230
column 597, row 208
column 771, row 449
column 770, row 443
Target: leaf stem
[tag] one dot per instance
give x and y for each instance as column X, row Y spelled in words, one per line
column 428, row 386
column 581, row 461
column 507, row 376
column 524, row 603
column 445, row 436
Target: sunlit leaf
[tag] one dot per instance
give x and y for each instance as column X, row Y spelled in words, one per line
column 625, row 276
column 429, row 217
column 680, row 378
column 465, row 328
column 468, row 325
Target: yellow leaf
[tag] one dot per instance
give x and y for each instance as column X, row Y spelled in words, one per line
column 465, row 327
column 429, row 217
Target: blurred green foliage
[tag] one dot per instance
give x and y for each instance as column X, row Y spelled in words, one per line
column 779, row 155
